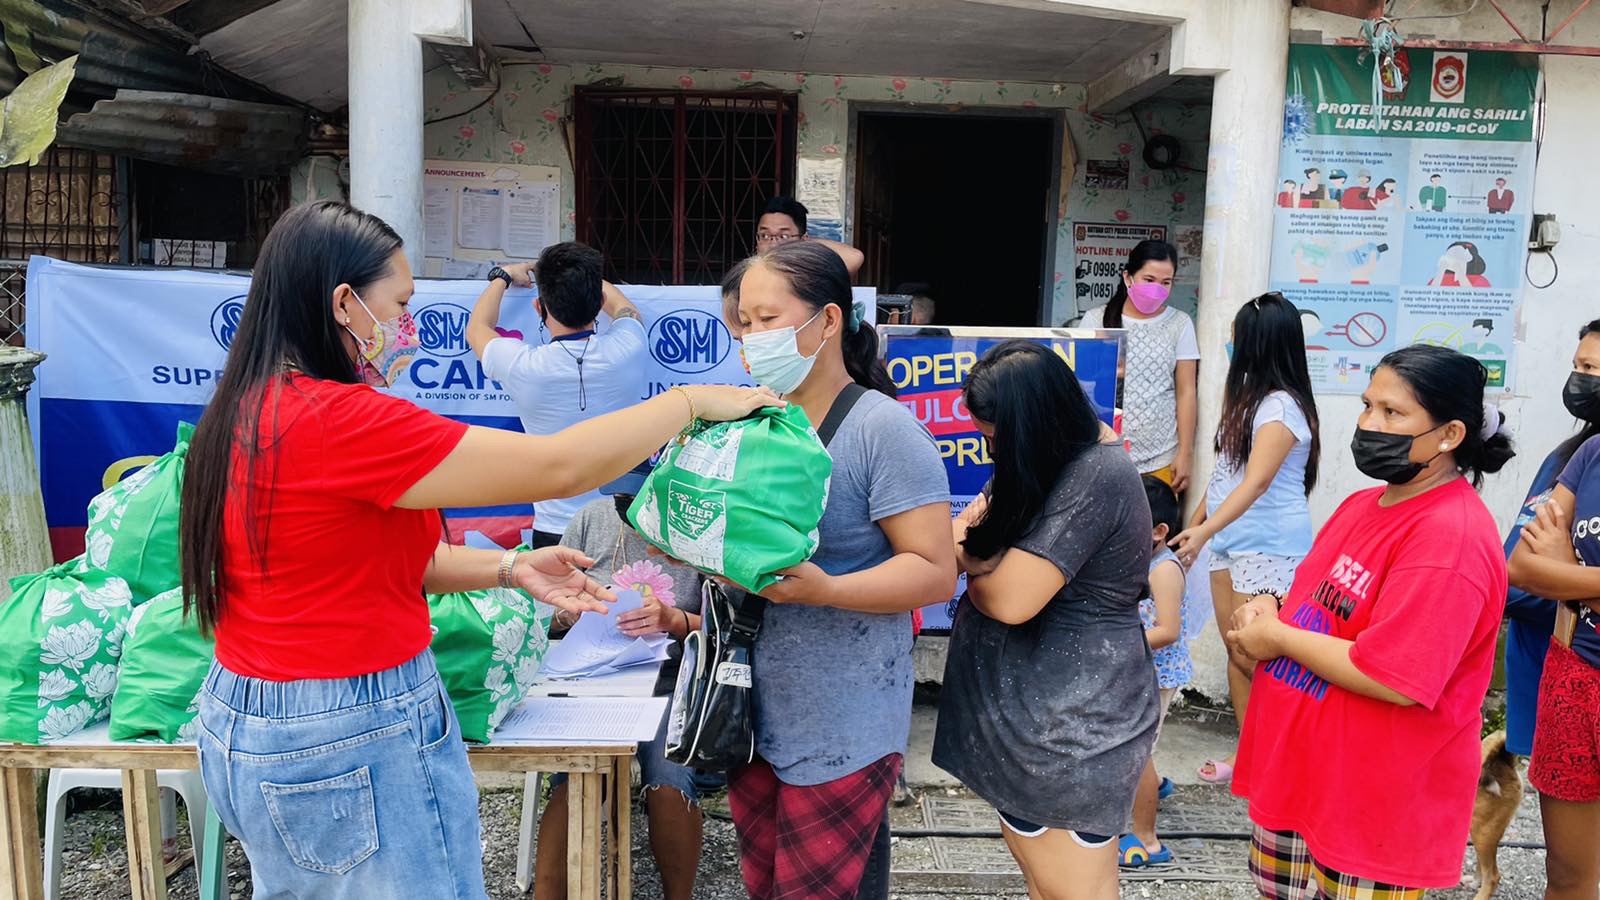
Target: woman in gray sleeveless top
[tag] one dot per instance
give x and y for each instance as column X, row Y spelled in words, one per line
column 1049, row 703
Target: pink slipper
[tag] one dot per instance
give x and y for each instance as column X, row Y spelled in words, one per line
column 1221, row 772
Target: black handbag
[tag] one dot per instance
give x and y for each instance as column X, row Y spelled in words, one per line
column 711, row 723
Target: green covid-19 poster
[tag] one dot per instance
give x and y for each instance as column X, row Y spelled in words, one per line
column 1406, row 221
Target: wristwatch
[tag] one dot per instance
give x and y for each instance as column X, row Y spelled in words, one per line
column 501, row 274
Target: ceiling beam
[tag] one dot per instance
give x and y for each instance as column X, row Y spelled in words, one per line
column 1135, row 78
column 1149, row 12
column 205, row 16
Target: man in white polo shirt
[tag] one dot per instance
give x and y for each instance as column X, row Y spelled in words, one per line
column 579, row 374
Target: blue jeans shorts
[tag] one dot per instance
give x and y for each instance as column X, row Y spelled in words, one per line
column 656, row 771
column 344, row 788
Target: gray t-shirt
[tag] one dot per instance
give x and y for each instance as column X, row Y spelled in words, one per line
column 1052, row 720
column 832, row 686
column 622, row 558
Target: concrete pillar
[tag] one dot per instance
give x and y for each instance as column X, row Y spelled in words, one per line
column 386, row 118
column 1236, row 256
column 24, row 541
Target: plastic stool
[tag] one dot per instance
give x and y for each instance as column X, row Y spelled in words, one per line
column 184, row 783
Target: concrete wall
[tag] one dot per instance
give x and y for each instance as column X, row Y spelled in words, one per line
column 1547, row 326
column 524, row 123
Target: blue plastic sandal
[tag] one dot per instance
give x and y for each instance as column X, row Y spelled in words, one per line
column 1132, row 853
column 1167, row 789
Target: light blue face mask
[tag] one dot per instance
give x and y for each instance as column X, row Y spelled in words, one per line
column 774, row 357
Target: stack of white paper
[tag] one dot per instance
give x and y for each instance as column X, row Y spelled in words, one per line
column 594, row 646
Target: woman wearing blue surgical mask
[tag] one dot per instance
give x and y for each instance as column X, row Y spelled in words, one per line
column 833, row 673
column 310, row 531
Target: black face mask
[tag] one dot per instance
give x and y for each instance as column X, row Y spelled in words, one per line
column 1387, row 457
column 1582, row 396
column 622, row 502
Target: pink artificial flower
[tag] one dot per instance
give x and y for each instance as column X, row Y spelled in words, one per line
column 545, row 69
column 468, row 132
column 898, row 84
column 649, row 579
column 1122, row 215
column 550, row 115
column 518, row 147
column 685, row 81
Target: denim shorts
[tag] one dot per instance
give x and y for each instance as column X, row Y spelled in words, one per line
column 656, row 771
column 346, row 788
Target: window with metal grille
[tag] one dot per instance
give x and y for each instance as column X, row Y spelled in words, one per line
column 670, row 183
column 71, row 205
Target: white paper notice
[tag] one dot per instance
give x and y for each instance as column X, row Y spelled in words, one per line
column 481, row 212
column 819, row 184
column 530, row 220
column 438, row 219
column 582, row 720
column 464, row 268
column 594, row 646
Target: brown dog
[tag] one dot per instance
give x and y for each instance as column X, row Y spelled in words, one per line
column 1499, row 795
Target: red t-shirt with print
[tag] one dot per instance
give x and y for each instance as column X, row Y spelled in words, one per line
column 336, row 590
column 1378, row 790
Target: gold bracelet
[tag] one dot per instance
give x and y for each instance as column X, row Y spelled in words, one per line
column 694, row 414
column 508, row 562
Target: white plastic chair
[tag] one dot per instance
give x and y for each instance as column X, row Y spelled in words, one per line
column 184, row 783
column 530, row 822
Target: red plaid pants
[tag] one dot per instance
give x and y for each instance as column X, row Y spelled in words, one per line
column 808, row 842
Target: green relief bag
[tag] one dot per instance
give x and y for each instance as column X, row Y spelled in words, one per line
column 61, row 637
column 164, row 663
column 133, row 525
column 488, row 645
column 738, row 499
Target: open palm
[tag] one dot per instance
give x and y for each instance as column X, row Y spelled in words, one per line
column 556, row 576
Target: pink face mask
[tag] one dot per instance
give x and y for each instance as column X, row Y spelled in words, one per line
column 1148, row 296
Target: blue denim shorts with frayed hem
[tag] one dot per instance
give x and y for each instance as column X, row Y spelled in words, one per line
column 345, row 788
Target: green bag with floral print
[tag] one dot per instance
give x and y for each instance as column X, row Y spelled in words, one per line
column 133, row 525
column 61, row 637
column 488, row 646
column 164, row 663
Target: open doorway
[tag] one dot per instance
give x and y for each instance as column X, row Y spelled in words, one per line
column 962, row 202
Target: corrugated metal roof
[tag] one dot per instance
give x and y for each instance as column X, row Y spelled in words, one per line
column 111, row 56
column 211, row 134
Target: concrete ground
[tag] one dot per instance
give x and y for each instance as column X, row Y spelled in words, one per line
column 924, row 868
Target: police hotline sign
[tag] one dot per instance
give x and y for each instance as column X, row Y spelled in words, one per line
column 132, row 352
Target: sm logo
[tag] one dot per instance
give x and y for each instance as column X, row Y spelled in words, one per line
column 690, row 341
column 442, row 329
column 225, row 320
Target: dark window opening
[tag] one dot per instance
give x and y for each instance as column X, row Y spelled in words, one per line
column 670, row 183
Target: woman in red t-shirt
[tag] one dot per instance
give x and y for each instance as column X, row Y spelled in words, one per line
column 310, row 532
column 1360, row 752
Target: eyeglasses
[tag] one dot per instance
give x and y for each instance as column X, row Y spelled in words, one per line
column 766, row 237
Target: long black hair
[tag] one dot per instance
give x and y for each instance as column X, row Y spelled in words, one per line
column 1475, row 265
column 818, row 276
column 1042, row 422
column 1269, row 354
column 1570, row 446
column 288, row 323
column 1142, row 253
column 1449, row 385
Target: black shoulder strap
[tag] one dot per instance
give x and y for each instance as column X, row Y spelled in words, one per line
column 752, row 608
column 842, row 405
